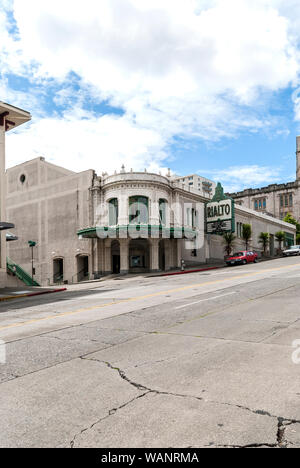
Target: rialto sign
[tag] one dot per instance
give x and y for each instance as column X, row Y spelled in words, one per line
column 219, row 211
column 220, row 215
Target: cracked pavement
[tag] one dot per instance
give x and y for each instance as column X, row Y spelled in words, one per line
column 192, row 361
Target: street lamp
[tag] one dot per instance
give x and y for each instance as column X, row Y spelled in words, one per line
column 32, row 244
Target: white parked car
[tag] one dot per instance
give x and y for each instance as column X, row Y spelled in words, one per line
column 293, row 250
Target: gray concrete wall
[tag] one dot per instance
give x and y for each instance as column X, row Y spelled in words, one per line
column 48, row 208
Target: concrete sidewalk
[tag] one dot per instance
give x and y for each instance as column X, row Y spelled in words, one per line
column 7, row 294
column 188, row 270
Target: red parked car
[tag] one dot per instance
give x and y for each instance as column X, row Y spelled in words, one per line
column 242, row 258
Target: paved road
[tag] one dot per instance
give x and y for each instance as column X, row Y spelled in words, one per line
column 200, row 360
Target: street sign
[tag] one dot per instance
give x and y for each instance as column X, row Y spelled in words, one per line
column 220, row 213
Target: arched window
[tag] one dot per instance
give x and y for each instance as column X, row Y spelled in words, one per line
column 162, row 212
column 138, row 210
column 113, row 208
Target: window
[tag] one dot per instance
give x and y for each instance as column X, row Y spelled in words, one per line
column 239, row 229
column 194, row 218
column 138, row 210
column 260, row 204
column 188, row 216
column 137, row 261
column 286, row 200
column 113, row 208
column 162, row 212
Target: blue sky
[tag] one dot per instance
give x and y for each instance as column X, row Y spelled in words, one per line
column 200, row 88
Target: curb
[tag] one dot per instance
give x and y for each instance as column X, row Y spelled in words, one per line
column 188, row 271
column 10, row 298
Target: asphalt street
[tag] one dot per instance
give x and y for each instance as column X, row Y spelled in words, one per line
column 201, row 360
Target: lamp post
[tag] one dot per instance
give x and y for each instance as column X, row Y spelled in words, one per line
column 32, row 244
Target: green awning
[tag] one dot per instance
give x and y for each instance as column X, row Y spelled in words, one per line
column 145, row 230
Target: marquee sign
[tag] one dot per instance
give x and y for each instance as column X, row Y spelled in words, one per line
column 219, row 213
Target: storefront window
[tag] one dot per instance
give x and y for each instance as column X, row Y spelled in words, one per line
column 137, row 261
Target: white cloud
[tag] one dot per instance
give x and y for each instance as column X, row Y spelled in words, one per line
column 191, row 68
column 237, row 178
column 101, row 143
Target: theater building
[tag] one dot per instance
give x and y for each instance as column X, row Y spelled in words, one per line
column 87, row 226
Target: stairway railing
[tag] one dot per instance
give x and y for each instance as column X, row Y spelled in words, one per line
column 18, row 271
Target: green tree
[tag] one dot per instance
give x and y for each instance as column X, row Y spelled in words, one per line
column 229, row 239
column 280, row 237
column 289, row 219
column 246, row 234
column 298, row 239
column 264, row 239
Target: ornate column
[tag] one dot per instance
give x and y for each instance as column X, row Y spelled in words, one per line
column 154, row 209
column 107, row 257
column 99, row 257
column 168, row 254
column 154, row 255
column 124, row 253
column 123, row 208
column 179, row 253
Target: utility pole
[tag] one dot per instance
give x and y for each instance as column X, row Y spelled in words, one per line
column 32, row 244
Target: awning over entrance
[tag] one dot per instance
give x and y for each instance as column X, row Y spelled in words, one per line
column 4, row 226
column 133, row 231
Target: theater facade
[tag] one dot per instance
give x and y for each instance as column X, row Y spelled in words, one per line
column 86, row 226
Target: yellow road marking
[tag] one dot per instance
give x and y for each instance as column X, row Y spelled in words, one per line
column 9, row 298
column 133, row 299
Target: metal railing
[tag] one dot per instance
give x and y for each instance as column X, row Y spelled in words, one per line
column 58, row 278
column 18, row 271
column 82, row 275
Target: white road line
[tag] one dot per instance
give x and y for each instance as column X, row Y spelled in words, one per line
column 205, row 300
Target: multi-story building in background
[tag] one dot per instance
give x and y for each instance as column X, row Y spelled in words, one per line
column 277, row 199
column 205, row 186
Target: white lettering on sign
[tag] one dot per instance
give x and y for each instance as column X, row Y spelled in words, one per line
column 216, row 211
